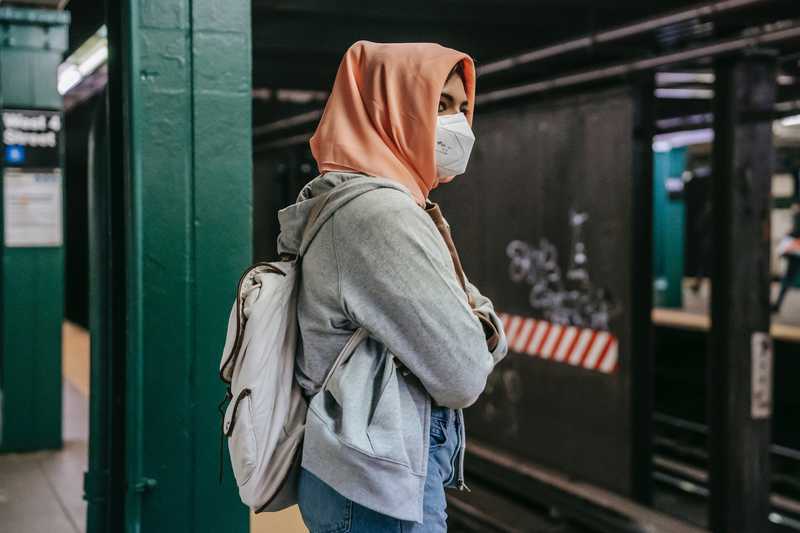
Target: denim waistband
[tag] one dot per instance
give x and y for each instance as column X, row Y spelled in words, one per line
column 442, row 413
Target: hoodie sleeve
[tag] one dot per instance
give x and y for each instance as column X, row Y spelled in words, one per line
column 492, row 325
column 396, row 279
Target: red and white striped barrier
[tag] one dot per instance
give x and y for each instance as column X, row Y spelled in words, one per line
column 583, row 347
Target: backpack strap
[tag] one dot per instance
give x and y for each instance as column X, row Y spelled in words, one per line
column 313, row 215
column 355, row 339
column 339, row 195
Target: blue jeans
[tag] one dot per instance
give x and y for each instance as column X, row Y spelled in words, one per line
column 326, row 511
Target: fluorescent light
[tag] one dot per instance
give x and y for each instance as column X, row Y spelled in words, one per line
column 668, row 78
column 661, row 146
column 91, row 63
column 68, row 77
column 300, row 97
column 296, row 96
column 699, row 119
column 790, row 105
column 685, row 94
column 666, row 141
column 794, row 120
column 89, row 56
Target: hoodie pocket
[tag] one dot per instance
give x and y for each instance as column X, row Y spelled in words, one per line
column 385, row 426
column 369, row 407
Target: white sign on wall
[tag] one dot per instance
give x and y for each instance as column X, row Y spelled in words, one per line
column 32, row 208
column 761, row 391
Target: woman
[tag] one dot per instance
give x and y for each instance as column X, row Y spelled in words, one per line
column 387, row 435
column 790, row 250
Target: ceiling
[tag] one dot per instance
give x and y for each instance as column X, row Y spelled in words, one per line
column 297, row 44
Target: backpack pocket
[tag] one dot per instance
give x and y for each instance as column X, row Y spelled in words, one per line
column 241, row 437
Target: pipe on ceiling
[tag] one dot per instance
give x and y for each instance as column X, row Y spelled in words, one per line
column 623, row 69
column 603, row 37
column 712, row 8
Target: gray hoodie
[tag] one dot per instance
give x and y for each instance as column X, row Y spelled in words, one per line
column 377, row 260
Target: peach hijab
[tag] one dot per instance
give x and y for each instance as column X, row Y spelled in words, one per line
column 381, row 115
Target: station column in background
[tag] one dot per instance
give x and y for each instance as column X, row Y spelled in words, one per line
column 740, row 362
column 180, row 140
column 32, row 42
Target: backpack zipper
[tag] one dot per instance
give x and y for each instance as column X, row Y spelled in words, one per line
column 239, row 398
column 234, row 353
column 237, row 343
column 221, row 408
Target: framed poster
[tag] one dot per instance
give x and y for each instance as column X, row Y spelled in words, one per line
column 32, row 208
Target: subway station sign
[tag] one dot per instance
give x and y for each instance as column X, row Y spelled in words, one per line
column 32, row 182
column 31, row 138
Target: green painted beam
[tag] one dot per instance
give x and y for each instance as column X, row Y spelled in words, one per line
column 187, row 166
column 31, row 278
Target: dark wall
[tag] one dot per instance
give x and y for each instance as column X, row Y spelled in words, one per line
column 278, row 176
column 76, row 237
column 531, row 165
column 697, row 243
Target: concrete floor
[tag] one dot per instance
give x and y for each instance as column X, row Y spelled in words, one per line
column 42, row 492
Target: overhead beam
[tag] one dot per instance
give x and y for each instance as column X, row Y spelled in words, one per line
column 420, row 11
column 442, row 8
column 298, row 34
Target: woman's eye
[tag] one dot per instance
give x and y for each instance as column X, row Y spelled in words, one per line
column 442, row 107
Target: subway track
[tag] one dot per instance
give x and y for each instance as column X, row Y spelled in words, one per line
column 680, row 458
column 680, row 441
column 681, row 490
column 680, row 474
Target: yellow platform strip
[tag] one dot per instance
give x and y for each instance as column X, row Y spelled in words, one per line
column 693, row 321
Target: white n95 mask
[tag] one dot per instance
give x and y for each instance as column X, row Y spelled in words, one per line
column 454, row 140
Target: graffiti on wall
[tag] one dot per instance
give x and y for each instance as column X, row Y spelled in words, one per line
column 569, row 298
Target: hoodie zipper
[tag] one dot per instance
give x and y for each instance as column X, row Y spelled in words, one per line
column 461, row 484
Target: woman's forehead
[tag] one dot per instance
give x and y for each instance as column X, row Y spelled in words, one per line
column 454, row 87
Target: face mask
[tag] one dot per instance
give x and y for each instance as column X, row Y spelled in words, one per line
column 454, row 140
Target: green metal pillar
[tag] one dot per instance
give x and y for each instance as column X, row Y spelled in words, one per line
column 669, row 222
column 32, row 42
column 179, row 116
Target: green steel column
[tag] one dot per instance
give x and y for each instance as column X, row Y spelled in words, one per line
column 669, row 215
column 32, row 42
column 186, row 107
column 104, row 480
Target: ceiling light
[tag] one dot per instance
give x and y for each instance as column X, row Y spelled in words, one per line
column 93, row 62
column 68, row 78
column 666, row 141
column 794, row 120
column 89, row 56
column 685, row 94
column 669, row 78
